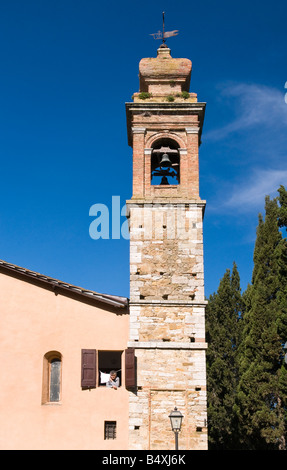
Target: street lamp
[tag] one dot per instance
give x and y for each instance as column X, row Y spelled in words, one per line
column 175, row 421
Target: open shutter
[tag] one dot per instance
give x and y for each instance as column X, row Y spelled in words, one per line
column 89, row 368
column 130, row 372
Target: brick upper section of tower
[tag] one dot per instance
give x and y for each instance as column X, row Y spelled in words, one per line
column 164, row 79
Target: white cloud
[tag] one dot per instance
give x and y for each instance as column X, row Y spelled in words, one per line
column 255, row 105
column 250, row 195
column 258, row 132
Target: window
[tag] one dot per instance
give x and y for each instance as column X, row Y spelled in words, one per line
column 52, row 372
column 55, row 379
column 110, row 429
column 95, row 364
column 108, row 361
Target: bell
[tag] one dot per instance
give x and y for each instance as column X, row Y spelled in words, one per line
column 165, row 161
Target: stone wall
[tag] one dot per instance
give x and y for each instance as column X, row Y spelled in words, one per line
column 167, row 324
column 168, row 378
column 166, row 252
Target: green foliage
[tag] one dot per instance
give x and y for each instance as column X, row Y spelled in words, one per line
column 282, row 212
column 246, row 371
column 185, row 95
column 170, row 98
column 223, row 324
column 144, row 95
column 260, row 399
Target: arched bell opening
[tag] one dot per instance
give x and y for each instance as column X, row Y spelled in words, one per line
column 165, row 162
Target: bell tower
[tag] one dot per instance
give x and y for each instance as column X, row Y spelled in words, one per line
column 167, row 305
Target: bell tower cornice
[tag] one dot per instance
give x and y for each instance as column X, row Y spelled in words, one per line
column 144, row 115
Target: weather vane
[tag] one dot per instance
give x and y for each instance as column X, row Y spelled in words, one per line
column 164, row 34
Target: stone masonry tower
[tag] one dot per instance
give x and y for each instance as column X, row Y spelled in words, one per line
column 167, row 306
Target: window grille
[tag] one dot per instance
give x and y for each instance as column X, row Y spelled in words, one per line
column 110, row 429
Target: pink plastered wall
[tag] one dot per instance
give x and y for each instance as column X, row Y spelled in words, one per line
column 34, row 321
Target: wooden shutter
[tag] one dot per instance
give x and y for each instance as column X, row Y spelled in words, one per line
column 89, row 368
column 130, row 372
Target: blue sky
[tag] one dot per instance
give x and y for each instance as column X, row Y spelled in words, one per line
column 67, row 69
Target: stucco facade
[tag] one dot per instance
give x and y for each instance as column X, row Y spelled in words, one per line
column 37, row 317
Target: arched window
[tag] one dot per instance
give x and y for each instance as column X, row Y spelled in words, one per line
column 52, row 373
column 165, row 162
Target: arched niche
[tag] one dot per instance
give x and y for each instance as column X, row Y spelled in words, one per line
column 165, row 162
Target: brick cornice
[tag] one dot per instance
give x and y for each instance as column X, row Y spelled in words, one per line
column 197, row 109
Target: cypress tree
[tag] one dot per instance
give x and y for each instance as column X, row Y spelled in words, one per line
column 222, row 333
column 282, row 211
column 281, row 254
column 261, row 398
column 282, row 302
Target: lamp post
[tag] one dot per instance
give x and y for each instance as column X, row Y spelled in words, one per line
column 175, row 421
